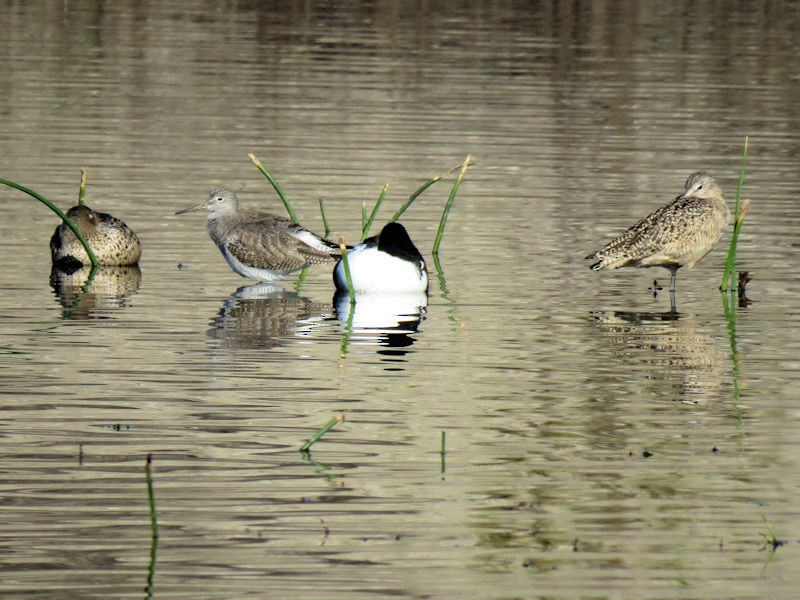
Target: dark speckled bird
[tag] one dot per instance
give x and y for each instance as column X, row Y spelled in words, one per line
column 674, row 236
column 111, row 240
column 261, row 245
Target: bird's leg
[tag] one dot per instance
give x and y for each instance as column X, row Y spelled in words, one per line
column 672, row 288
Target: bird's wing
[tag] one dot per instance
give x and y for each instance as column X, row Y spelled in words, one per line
column 317, row 248
column 270, row 242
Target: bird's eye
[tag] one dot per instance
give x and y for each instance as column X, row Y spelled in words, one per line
column 219, row 198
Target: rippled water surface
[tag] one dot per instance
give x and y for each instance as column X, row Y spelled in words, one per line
column 597, row 445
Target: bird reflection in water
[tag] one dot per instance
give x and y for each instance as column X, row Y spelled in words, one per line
column 263, row 316
column 386, row 319
column 87, row 293
column 671, row 347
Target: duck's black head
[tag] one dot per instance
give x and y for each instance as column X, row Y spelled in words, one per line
column 394, row 240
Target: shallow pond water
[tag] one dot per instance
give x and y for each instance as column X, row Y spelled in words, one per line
column 597, row 445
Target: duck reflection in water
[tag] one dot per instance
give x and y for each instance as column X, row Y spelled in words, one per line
column 85, row 293
column 390, row 281
column 265, row 316
column 385, row 319
column 677, row 354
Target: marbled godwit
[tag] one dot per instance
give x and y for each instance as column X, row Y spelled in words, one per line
column 261, row 245
column 112, row 241
column 386, row 263
column 674, row 236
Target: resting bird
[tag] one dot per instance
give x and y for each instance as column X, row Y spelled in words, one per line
column 261, row 245
column 114, row 243
column 674, row 236
column 387, row 263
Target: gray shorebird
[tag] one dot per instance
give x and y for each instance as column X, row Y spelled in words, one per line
column 674, row 236
column 260, row 245
column 114, row 243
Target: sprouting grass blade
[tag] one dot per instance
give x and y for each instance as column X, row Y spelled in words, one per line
column 325, row 429
column 275, row 185
column 151, row 496
column 82, row 186
column 346, row 266
column 60, row 213
column 421, row 189
column 449, row 204
column 324, row 218
column 730, row 263
column 368, row 223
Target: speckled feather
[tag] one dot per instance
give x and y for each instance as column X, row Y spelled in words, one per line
column 676, row 235
column 111, row 240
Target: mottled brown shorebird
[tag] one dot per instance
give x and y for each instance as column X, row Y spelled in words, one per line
column 261, row 245
column 674, row 236
column 114, row 243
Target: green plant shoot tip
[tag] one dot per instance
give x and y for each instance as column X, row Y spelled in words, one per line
column 421, row 189
column 325, row 429
column 449, row 204
column 278, row 189
column 82, row 186
column 151, row 497
column 346, row 267
column 730, row 263
column 324, row 218
column 368, row 222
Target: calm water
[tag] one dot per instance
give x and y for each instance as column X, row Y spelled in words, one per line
column 596, row 445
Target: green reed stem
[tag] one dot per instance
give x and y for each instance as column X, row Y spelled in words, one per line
column 369, row 221
column 82, row 186
column 449, row 204
column 324, row 218
column 60, row 213
column 151, row 497
column 421, row 189
column 346, row 266
column 363, row 215
column 730, row 263
column 275, row 185
column 442, row 451
column 325, row 429
column 151, row 567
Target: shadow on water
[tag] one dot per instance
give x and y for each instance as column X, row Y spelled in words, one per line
column 87, row 293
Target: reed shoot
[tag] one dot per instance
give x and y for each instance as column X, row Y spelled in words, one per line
column 275, row 185
column 730, row 264
column 324, row 218
column 82, row 186
column 421, row 189
column 449, row 205
column 371, row 218
column 443, row 452
column 151, row 497
column 346, row 266
column 325, row 429
column 60, row 213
